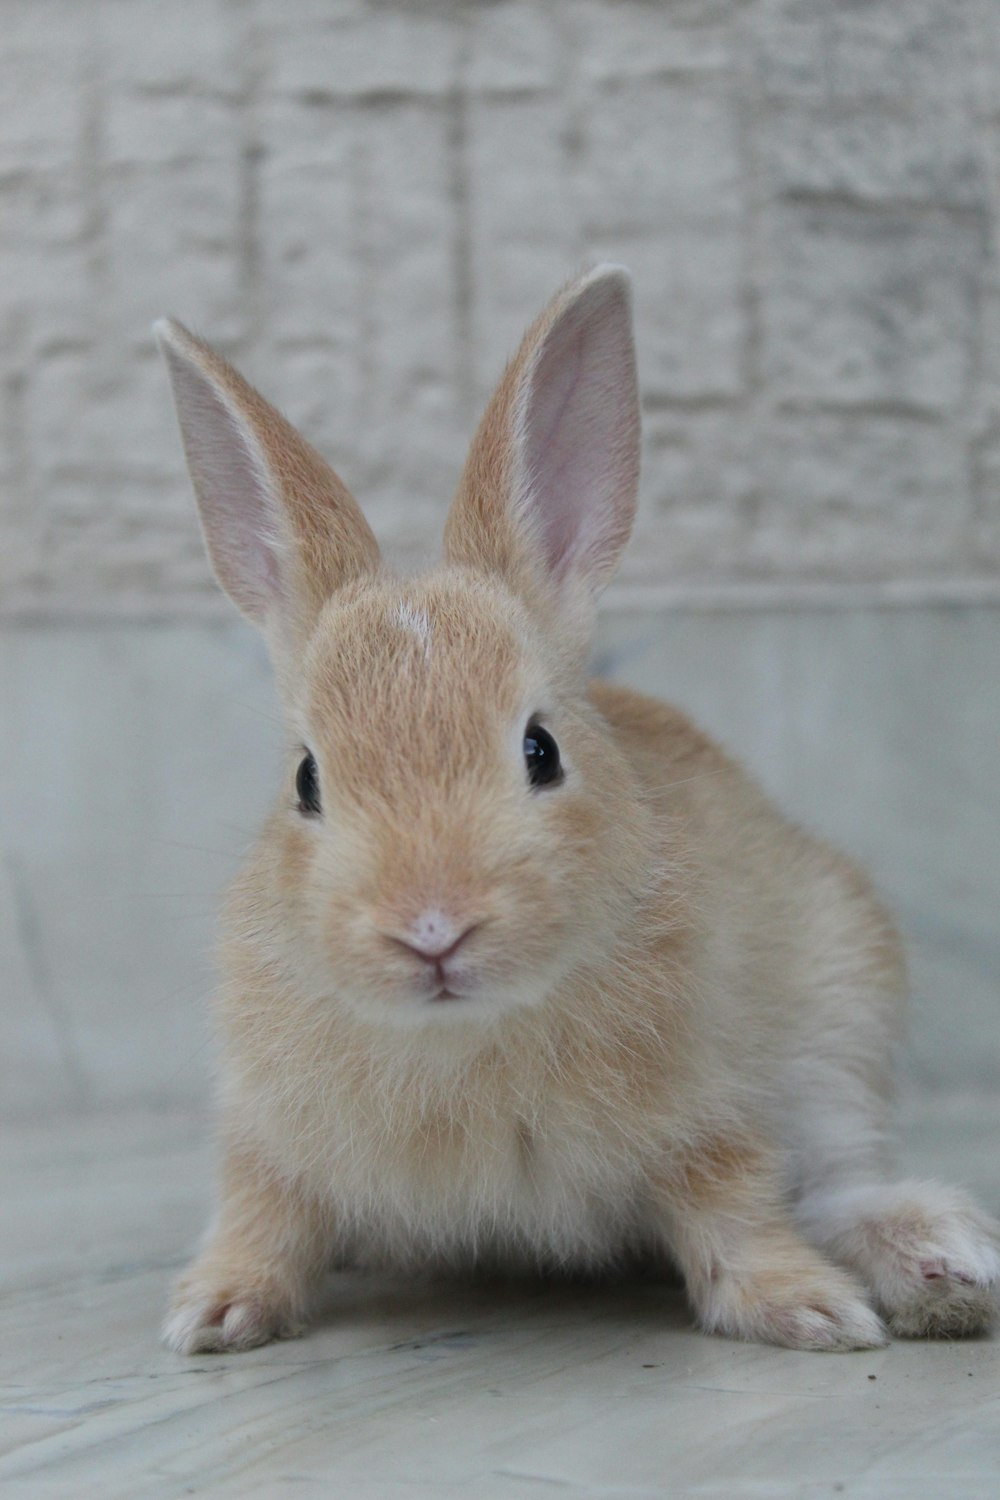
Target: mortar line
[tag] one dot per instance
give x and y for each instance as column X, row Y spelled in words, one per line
column 459, row 192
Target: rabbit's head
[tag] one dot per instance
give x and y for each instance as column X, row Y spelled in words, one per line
column 458, row 831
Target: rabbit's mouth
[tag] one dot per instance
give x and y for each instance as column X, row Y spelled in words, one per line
column 444, row 986
column 444, row 993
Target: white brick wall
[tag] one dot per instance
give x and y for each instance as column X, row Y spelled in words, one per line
column 364, row 202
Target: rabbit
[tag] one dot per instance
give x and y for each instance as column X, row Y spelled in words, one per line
column 524, row 971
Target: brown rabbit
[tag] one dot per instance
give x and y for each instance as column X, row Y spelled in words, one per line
column 523, row 969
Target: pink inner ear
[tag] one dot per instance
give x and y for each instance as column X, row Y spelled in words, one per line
column 236, row 506
column 553, row 442
column 580, row 443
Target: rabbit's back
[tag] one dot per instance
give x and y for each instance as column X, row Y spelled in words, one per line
column 797, row 968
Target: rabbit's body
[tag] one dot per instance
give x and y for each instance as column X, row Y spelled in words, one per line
column 534, row 1142
column 525, row 972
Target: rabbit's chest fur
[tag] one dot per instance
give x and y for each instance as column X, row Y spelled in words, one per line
column 489, row 1188
column 508, row 1164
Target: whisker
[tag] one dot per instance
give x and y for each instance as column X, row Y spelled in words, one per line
column 683, row 781
column 245, row 833
column 172, row 896
column 182, row 1067
column 254, row 708
column 198, row 848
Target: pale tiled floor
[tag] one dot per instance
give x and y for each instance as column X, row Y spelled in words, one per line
column 427, row 1391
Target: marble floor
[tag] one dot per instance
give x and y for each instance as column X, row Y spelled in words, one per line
column 427, row 1391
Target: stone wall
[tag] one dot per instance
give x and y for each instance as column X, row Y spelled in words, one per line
column 364, row 203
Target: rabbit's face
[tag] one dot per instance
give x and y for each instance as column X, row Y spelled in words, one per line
column 458, row 832
column 442, row 834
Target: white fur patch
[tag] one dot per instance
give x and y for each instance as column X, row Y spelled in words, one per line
column 415, row 620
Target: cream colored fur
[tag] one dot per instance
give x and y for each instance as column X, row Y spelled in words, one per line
column 678, row 1012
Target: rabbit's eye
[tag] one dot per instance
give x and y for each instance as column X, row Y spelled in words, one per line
column 541, row 756
column 307, row 786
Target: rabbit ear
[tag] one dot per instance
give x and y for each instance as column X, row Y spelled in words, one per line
column 282, row 530
column 548, row 494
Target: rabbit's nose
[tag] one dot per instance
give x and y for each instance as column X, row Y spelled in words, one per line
column 433, row 936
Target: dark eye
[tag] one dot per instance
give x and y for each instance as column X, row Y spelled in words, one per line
column 307, row 786
column 541, row 756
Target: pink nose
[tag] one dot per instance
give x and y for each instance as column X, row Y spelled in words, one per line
column 433, row 937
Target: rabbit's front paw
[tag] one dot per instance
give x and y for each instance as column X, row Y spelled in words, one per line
column 809, row 1309
column 203, row 1321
